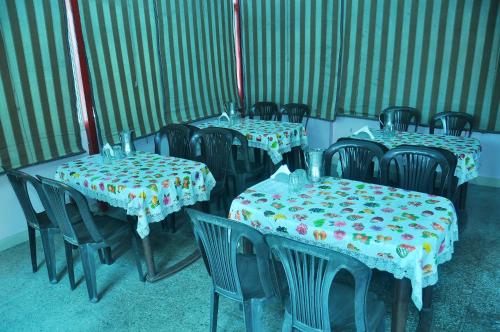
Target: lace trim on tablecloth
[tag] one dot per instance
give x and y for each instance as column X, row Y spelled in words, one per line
column 143, row 228
column 277, row 155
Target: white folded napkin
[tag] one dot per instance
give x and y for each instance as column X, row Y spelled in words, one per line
column 363, row 132
column 108, row 148
column 224, row 115
column 281, row 174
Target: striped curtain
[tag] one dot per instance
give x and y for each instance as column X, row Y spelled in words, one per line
column 37, row 97
column 290, row 51
column 121, row 43
column 197, row 57
column 433, row 55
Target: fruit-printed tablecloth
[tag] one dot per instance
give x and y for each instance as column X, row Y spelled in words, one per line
column 147, row 185
column 275, row 137
column 467, row 149
column 402, row 232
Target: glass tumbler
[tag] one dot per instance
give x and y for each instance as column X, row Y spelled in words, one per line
column 294, row 182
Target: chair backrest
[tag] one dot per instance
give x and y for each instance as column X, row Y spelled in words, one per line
column 242, row 147
column 355, row 157
column 416, row 169
column 215, row 145
column 452, row 181
column 218, row 239
column 296, row 112
column 57, row 194
column 400, row 116
column 178, row 137
column 310, row 271
column 452, row 123
column 19, row 182
column 265, row 110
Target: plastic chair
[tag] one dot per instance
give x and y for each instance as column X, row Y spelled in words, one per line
column 216, row 146
column 417, row 169
column 316, row 302
column 178, row 137
column 296, row 112
column 356, row 159
column 265, row 110
column 90, row 236
column 245, row 278
column 401, row 117
column 41, row 221
column 452, row 123
column 242, row 171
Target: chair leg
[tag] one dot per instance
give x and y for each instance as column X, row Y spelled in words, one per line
column 137, row 255
column 50, row 254
column 68, row 248
column 88, row 261
column 247, row 316
column 214, row 309
column 287, row 323
column 32, row 241
column 172, row 223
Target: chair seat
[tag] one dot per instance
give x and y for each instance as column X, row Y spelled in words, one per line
column 74, row 216
column 342, row 309
column 110, row 228
column 250, row 279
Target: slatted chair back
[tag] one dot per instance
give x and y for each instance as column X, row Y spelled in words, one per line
column 265, row 110
column 178, row 137
column 417, row 169
column 400, row 116
column 452, row 123
column 219, row 239
column 356, row 158
column 216, row 146
column 57, row 194
column 310, row 271
column 19, row 181
column 296, row 112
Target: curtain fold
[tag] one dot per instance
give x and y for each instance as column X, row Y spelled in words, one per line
column 122, row 53
column 197, row 57
column 290, row 51
column 38, row 103
column 440, row 55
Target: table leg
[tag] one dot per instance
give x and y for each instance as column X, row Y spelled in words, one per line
column 148, row 256
column 425, row 317
column 153, row 275
column 402, row 289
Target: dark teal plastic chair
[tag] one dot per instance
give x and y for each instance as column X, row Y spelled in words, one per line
column 93, row 234
column 41, row 221
column 316, row 302
column 246, row 278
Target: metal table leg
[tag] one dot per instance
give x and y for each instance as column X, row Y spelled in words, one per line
column 153, row 275
column 402, row 290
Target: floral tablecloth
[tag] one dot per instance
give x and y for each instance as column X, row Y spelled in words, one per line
column 147, row 185
column 402, row 232
column 275, row 137
column 467, row 149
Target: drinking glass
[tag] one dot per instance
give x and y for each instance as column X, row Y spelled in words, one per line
column 294, row 184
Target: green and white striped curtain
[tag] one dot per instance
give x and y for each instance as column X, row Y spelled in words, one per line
column 38, row 116
column 440, row 55
column 197, row 54
column 290, row 51
column 122, row 54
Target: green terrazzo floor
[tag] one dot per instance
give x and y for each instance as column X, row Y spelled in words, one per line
column 466, row 297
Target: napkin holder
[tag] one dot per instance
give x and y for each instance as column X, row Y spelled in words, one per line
column 364, row 132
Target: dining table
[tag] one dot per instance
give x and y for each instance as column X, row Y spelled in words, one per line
column 405, row 233
column 148, row 186
column 274, row 137
column 467, row 149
